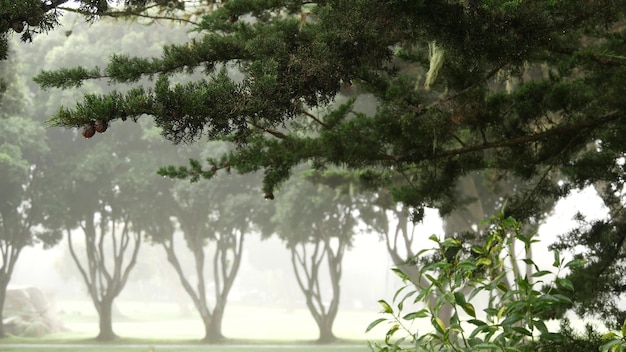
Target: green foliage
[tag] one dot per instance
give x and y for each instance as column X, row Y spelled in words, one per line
column 616, row 341
column 460, row 277
column 31, row 17
column 572, row 341
column 293, row 65
column 531, row 91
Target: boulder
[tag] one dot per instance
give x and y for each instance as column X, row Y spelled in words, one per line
column 30, row 312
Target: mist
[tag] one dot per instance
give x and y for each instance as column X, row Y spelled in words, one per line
column 222, row 249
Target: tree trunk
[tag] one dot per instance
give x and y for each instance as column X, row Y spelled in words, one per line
column 3, row 294
column 213, row 327
column 106, row 321
column 326, row 330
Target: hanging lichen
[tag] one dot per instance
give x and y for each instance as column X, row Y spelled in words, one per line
column 435, row 55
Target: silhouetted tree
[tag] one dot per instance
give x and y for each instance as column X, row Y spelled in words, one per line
column 23, row 146
column 317, row 223
column 214, row 219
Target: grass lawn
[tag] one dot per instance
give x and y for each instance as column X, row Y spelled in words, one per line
column 184, row 349
column 149, row 320
column 147, row 324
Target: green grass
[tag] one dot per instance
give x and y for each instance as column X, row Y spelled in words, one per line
column 248, row 329
column 186, row 349
column 145, row 320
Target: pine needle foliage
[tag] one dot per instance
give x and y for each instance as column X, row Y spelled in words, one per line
column 530, row 89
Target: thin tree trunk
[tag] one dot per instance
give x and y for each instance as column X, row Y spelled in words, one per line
column 10, row 253
column 3, row 294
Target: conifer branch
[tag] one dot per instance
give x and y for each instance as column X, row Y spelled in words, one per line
column 522, row 139
column 607, row 60
column 274, row 133
column 419, row 109
column 54, row 4
column 459, row 140
column 128, row 14
column 318, row 121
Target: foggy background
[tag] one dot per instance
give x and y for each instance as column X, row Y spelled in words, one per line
column 265, row 291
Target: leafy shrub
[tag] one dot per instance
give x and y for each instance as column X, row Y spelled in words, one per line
column 457, row 275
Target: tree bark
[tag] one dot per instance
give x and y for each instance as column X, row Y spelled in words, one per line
column 326, row 331
column 224, row 276
column 3, row 294
column 306, row 267
column 105, row 313
column 105, row 283
column 213, row 326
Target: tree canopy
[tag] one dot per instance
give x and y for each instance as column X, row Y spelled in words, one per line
column 27, row 18
column 529, row 89
column 296, row 58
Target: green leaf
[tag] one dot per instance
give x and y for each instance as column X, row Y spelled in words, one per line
column 459, row 298
column 469, row 309
column 576, row 263
column 529, row 261
column 564, row 283
column 386, row 307
column 451, row 242
column 431, row 279
column 522, row 330
column 478, row 250
column 439, row 325
column 610, row 335
column 482, row 329
column 491, row 311
column 610, row 346
column 423, row 293
column 561, row 298
column 466, row 266
column 395, row 296
column 390, row 333
column 486, row 346
column 557, row 259
column 542, row 273
column 503, row 287
column 374, row 323
column 477, row 322
column 624, row 328
column 401, row 274
column 510, row 320
column 449, row 297
column 541, row 326
column 483, row 261
column 416, row 315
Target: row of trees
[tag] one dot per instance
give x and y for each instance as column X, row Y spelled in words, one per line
column 498, row 98
column 107, row 198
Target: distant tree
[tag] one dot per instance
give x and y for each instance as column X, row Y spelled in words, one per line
column 100, row 198
column 22, row 148
column 317, row 221
column 214, row 220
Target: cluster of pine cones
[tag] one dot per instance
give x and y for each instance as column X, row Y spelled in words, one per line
column 94, row 126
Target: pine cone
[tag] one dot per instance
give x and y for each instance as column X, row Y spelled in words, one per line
column 101, row 126
column 269, row 196
column 18, row 26
column 89, row 130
